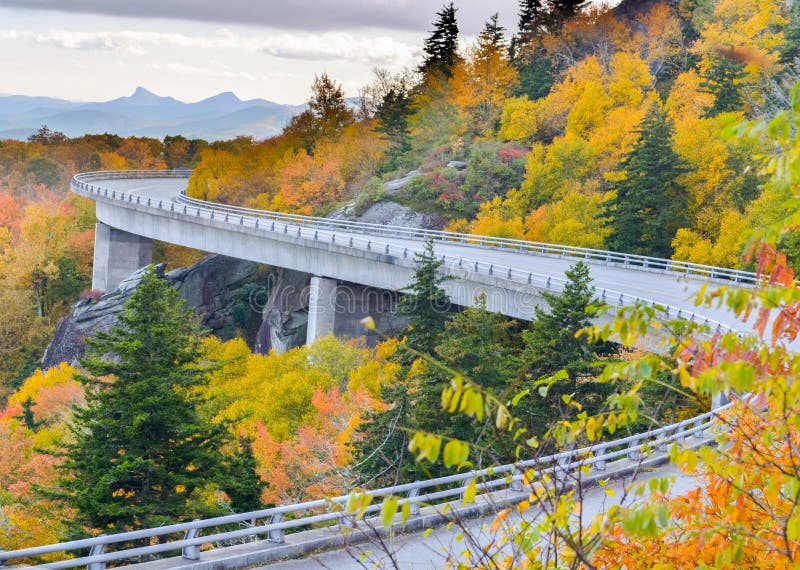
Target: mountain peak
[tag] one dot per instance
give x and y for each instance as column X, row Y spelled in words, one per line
column 142, row 94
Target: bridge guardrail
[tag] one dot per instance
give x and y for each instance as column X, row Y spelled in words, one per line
column 301, row 227
column 306, row 514
column 632, row 261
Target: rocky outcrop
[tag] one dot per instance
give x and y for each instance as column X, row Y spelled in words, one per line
column 285, row 314
column 212, row 287
column 398, row 183
column 392, row 214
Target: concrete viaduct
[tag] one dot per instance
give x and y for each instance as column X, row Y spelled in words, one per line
column 136, row 207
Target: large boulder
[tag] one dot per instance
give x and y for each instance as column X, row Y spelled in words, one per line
column 209, row 286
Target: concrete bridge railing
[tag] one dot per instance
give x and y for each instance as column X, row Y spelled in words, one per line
column 340, row 510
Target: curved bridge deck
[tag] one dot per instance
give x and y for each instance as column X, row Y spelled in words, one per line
column 512, row 274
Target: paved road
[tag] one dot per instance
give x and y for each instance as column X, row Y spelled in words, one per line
column 667, row 289
column 414, row 552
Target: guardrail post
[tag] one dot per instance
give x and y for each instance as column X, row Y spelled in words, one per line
column 172, row 207
column 148, row 201
column 491, row 267
column 256, row 223
column 272, row 227
column 159, row 204
column 97, row 550
column 560, row 470
column 530, row 278
column 226, row 216
column 241, row 221
column 517, row 485
column 634, row 453
column 316, row 235
column 548, row 282
column 369, row 245
column 298, row 231
column 276, row 535
column 414, row 507
column 699, row 431
column 599, row 464
column 191, row 552
column 286, row 228
column 509, row 273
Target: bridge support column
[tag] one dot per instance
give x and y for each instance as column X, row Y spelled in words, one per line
column 117, row 254
column 321, row 308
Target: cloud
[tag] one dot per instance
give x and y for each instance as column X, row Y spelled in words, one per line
column 310, row 15
column 327, row 46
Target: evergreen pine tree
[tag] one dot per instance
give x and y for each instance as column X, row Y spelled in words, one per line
column 493, row 34
column 551, row 345
column 650, row 203
column 392, row 120
column 139, row 449
column 562, row 10
column 381, row 452
column 724, row 81
column 243, row 485
column 527, row 53
column 426, row 302
column 27, row 417
column 532, row 15
column 484, row 347
column 441, row 46
column 790, row 49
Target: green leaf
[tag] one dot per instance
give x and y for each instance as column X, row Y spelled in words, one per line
column 470, row 492
column 516, row 399
column 388, row 511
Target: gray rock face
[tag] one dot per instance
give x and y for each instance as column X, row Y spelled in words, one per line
column 285, row 314
column 207, row 286
column 392, row 214
column 398, row 183
column 457, row 164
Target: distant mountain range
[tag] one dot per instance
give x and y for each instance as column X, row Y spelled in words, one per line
column 144, row 113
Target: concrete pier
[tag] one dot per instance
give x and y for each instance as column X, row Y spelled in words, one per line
column 321, row 308
column 117, row 254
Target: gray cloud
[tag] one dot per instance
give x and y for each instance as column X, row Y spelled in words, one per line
column 412, row 15
column 368, row 49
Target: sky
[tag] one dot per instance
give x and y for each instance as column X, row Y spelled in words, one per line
column 95, row 50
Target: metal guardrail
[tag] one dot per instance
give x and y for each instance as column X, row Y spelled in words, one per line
column 627, row 260
column 340, row 509
column 324, row 230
